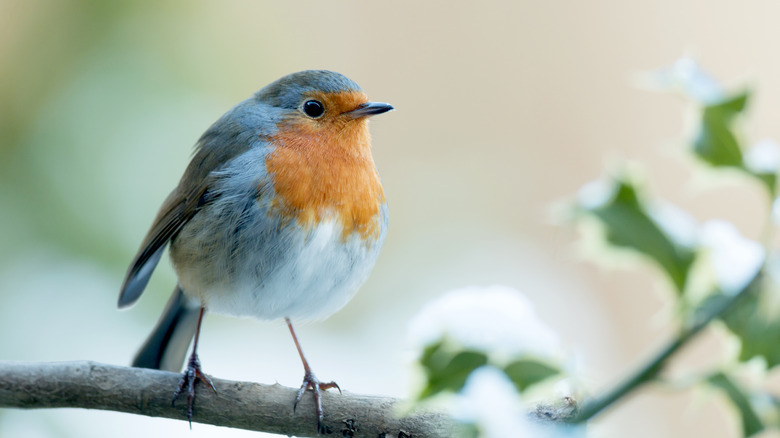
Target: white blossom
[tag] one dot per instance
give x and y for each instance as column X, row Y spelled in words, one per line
column 763, row 157
column 687, row 77
column 495, row 319
column 489, row 401
column 596, row 193
column 735, row 260
column 680, row 226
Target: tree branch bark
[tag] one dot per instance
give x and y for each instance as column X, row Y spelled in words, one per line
column 245, row 405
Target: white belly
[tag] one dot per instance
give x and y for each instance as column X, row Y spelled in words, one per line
column 287, row 273
column 318, row 280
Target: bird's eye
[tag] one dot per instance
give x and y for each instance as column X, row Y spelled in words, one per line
column 313, row 108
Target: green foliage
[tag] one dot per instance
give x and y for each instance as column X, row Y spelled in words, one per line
column 628, row 224
column 716, row 143
column 751, row 424
column 527, row 372
column 758, row 330
column 769, row 180
column 447, row 369
column 631, row 222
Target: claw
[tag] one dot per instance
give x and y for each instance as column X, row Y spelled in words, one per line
column 191, row 375
column 310, row 381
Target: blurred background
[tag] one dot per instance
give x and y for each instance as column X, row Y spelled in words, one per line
column 503, row 109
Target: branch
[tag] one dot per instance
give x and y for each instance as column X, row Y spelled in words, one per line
column 244, row 405
column 648, row 372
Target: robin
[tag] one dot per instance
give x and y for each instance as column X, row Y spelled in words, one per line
column 280, row 214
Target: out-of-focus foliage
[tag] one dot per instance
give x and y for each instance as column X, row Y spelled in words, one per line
column 447, row 368
column 712, row 256
column 524, row 373
column 751, row 424
column 482, row 350
column 629, row 224
column 757, row 327
column 716, row 142
column 447, row 371
column 730, row 266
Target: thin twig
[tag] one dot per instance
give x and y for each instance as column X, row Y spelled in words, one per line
column 650, row 370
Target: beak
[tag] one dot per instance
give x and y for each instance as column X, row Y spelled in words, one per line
column 369, row 109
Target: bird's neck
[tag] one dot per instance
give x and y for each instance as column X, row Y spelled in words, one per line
column 317, row 173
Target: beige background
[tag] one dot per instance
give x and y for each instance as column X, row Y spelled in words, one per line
column 503, row 108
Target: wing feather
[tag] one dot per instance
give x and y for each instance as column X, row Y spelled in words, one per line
column 174, row 213
column 222, row 142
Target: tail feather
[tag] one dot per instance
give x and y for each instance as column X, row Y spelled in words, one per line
column 167, row 345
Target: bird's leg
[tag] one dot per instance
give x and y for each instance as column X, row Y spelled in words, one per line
column 310, row 381
column 192, row 374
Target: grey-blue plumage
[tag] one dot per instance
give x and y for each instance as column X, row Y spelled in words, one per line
column 280, row 214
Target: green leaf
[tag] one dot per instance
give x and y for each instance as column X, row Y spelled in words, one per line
column 629, row 225
column 526, row 372
column 751, row 424
column 447, row 370
column 758, row 332
column 716, row 143
column 768, row 179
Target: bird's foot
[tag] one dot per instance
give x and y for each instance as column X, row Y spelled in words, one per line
column 311, row 382
column 192, row 374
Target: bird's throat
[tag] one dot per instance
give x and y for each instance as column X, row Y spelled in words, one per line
column 317, row 171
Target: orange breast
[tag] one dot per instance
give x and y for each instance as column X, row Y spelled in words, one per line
column 324, row 169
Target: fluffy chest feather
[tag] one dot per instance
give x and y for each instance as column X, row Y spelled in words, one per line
column 318, row 171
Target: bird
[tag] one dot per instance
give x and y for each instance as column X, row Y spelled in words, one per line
column 280, row 215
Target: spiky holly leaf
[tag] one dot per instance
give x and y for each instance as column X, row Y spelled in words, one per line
column 628, row 224
column 526, row 372
column 447, row 370
column 757, row 329
column 716, row 143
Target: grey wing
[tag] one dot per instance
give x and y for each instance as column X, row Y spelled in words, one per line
column 180, row 206
column 226, row 139
column 174, row 213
